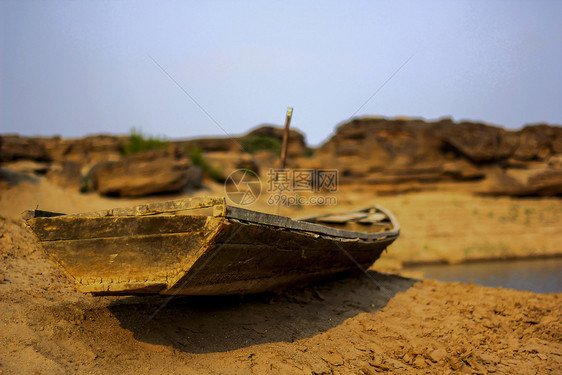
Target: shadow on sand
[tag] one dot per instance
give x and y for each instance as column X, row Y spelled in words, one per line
column 223, row 323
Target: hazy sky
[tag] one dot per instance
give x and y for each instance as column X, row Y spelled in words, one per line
column 82, row 67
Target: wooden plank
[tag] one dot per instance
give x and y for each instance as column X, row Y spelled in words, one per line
column 258, row 258
column 137, row 258
column 158, row 207
column 373, row 218
column 281, row 251
column 316, row 217
column 296, row 225
column 370, row 228
column 73, row 228
column 127, row 262
column 343, row 218
column 139, row 210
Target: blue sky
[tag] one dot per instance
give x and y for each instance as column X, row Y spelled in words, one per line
column 74, row 68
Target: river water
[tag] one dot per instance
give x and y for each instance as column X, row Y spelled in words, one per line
column 537, row 275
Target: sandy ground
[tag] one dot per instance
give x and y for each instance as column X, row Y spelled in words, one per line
column 373, row 323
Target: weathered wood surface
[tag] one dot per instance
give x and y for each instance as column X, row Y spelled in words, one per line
column 248, row 258
column 342, row 219
column 364, row 228
column 73, row 228
column 203, row 246
column 143, row 209
column 107, row 253
column 310, row 226
column 375, row 217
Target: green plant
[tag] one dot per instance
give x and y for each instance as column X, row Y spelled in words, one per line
column 256, row 143
column 139, row 142
column 197, row 158
column 86, row 183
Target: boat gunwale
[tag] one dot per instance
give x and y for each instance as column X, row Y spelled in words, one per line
column 221, row 209
column 301, row 226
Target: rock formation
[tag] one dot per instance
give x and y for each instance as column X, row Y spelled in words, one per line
column 144, row 174
column 391, row 154
column 376, row 150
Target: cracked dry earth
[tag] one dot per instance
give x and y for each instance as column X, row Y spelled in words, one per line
column 363, row 325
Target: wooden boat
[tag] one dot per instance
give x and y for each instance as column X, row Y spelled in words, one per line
column 203, row 246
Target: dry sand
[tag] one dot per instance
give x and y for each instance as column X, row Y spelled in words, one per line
column 374, row 323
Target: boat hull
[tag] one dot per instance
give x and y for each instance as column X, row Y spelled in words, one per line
column 230, row 251
column 251, row 258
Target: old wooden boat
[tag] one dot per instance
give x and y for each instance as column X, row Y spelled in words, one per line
column 203, row 246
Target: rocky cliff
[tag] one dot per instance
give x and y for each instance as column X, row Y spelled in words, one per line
column 379, row 151
column 386, row 154
column 101, row 162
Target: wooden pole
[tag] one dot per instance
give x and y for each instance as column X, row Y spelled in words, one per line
column 286, row 137
column 284, row 151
